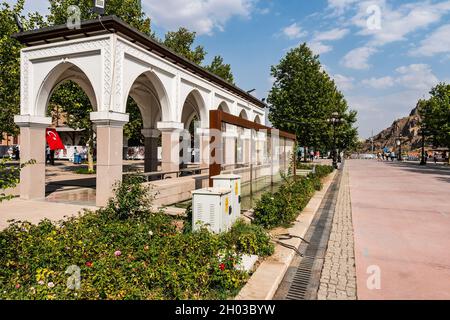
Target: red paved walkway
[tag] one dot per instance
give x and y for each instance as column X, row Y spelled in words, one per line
column 401, row 217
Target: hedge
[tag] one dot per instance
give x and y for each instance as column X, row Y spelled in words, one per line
column 282, row 207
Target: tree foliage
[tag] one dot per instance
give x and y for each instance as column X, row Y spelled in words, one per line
column 304, row 97
column 435, row 114
column 182, row 42
column 221, row 69
column 10, row 63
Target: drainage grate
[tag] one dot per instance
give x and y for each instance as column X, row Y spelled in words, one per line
column 302, row 280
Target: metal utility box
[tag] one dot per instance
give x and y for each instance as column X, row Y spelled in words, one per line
column 211, row 207
column 233, row 182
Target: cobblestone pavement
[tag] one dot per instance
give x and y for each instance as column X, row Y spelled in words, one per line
column 338, row 279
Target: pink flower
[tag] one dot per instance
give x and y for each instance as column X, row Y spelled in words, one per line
column 89, row 264
column 222, row 266
column 18, row 286
column 117, row 253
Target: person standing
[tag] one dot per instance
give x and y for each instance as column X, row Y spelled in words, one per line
column 392, row 156
column 76, row 156
column 47, row 155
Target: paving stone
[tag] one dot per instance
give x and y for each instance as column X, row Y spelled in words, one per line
column 339, row 272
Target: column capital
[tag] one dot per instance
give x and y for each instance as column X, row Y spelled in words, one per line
column 151, row 133
column 170, row 126
column 32, row 121
column 106, row 118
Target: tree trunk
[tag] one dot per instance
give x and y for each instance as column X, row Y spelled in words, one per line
column 90, row 152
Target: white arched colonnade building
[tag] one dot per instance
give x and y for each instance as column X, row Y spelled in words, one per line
column 111, row 61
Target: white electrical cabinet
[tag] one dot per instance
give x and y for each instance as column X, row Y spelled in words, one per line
column 211, row 207
column 232, row 182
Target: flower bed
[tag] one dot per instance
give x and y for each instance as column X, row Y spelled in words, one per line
column 124, row 252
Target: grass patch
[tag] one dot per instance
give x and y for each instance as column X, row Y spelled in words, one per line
column 84, row 171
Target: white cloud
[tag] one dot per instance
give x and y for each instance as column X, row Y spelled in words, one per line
column 339, row 6
column 436, row 43
column 202, row 16
column 343, row 83
column 398, row 23
column 417, row 76
column 358, row 58
column 263, row 11
column 379, row 83
column 331, row 35
column 293, row 31
column 319, row 47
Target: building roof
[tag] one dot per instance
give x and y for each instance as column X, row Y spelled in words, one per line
column 112, row 24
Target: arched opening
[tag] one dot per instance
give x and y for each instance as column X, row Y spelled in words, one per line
column 244, row 156
column 68, row 97
column 243, row 115
column 147, row 104
column 257, row 119
column 192, row 115
column 223, row 106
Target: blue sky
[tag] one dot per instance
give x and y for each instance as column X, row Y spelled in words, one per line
column 383, row 54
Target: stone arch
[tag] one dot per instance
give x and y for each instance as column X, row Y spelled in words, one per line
column 148, row 91
column 223, row 106
column 243, row 114
column 58, row 75
column 257, row 119
column 194, row 105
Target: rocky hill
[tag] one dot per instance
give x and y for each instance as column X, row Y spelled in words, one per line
column 407, row 127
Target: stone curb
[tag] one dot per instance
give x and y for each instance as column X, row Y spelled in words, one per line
column 264, row 283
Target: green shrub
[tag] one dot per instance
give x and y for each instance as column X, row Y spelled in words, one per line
column 249, row 239
column 141, row 258
column 282, row 208
column 131, row 199
column 187, row 227
column 10, row 177
column 323, row 171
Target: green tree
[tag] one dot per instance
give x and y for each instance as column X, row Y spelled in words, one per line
column 181, row 42
column 10, row 63
column 304, row 97
column 435, row 114
column 221, row 69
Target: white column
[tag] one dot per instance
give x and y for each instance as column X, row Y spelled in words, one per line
column 109, row 128
column 170, row 132
column 32, row 147
column 151, row 140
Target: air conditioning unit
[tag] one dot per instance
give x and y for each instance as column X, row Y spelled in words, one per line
column 232, row 182
column 211, row 208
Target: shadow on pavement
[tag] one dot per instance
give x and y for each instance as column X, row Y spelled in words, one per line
column 431, row 169
column 55, row 186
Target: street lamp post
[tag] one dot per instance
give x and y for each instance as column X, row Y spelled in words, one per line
column 335, row 120
column 399, row 145
column 423, row 161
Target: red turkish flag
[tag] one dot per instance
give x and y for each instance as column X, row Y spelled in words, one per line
column 53, row 140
